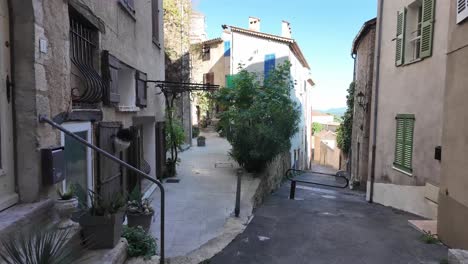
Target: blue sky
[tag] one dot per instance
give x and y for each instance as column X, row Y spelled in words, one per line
column 324, row 30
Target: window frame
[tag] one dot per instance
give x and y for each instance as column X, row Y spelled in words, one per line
column 401, row 166
column 129, row 7
column 156, row 29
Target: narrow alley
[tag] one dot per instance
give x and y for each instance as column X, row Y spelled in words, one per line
column 198, row 206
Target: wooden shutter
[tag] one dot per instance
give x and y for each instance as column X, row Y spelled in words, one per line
column 408, row 152
column 399, row 144
column 110, row 172
column 155, row 20
column 427, row 27
column 141, row 89
column 400, row 37
column 462, row 10
column 110, row 72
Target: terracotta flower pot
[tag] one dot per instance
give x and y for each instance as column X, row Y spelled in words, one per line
column 101, row 231
column 201, row 141
column 143, row 220
column 65, row 209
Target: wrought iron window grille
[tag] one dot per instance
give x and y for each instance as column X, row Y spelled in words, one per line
column 83, row 57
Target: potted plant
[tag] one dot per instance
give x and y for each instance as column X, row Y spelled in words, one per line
column 102, row 223
column 170, row 168
column 65, row 205
column 201, row 141
column 139, row 210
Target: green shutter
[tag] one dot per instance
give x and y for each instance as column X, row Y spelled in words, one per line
column 399, row 142
column 400, row 37
column 404, row 142
column 427, row 27
column 408, row 152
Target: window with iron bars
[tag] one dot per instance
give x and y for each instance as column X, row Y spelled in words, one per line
column 86, row 83
column 206, row 52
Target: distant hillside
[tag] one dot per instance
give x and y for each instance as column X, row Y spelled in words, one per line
column 335, row 111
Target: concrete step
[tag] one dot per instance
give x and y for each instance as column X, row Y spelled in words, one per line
column 24, row 216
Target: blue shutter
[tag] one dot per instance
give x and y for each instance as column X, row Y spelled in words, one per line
column 227, row 48
column 269, row 64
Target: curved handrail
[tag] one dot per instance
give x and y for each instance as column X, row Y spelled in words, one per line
column 142, row 174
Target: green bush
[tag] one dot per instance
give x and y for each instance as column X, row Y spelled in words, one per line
column 139, row 242
column 261, row 119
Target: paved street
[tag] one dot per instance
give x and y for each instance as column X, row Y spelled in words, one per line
column 197, row 207
column 330, row 227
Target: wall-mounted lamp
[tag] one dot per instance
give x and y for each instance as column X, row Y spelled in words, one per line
column 362, row 101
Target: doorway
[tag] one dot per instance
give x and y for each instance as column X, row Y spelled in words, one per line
column 8, row 196
column 78, row 159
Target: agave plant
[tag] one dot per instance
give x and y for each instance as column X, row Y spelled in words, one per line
column 41, row 246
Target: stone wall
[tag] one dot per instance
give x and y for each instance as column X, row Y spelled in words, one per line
column 272, row 177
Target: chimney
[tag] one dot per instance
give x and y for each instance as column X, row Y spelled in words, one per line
column 254, row 24
column 286, row 29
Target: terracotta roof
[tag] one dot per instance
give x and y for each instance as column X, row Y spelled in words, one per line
column 212, row 41
column 368, row 25
column 292, row 43
column 311, row 82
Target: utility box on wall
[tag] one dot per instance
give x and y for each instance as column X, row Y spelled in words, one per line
column 53, row 165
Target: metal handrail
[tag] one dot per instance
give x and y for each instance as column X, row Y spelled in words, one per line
column 44, row 119
column 290, row 176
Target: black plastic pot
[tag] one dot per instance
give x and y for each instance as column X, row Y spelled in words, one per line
column 134, row 220
column 170, row 169
column 201, row 141
column 100, row 232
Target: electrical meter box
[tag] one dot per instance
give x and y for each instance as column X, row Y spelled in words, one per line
column 53, row 165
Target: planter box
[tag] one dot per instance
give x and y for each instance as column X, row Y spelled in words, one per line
column 100, row 232
column 201, row 142
column 144, row 221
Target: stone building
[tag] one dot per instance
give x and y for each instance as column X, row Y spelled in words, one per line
column 363, row 53
column 257, row 52
column 406, row 108
column 453, row 195
column 83, row 63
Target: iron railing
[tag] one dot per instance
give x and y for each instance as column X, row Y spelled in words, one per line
column 142, row 174
column 291, row 173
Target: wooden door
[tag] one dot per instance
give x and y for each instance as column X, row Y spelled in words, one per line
column 8, row 197
column 110, row 180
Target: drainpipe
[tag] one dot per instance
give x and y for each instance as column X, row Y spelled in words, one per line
column 376, row 101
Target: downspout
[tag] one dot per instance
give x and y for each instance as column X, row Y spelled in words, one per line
column 376, row 101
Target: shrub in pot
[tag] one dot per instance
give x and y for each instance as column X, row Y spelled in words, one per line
column 65, row 205
column 201, row 141
column 139, row 210
column 102, row 223
column 139, row 242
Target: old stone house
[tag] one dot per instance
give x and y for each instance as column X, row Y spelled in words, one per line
column 363, row 53
column 406, row 107
column 85, row 64
column 257, row 52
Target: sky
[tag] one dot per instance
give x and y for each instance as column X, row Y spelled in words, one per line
column 324, row 30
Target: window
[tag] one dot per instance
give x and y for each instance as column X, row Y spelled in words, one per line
column 206, row 52
column 125, row 87
column 87, row 86
column 269, row 64
column 227, row 48
column 155, row 20
column 208, row 78
column 404, row 142
column 414, row 33
column 462, row 10
column 129, row 6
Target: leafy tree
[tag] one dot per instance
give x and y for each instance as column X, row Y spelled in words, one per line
column 259, row 120
column 345, row 130
column 175, row 137
column 316, row 128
